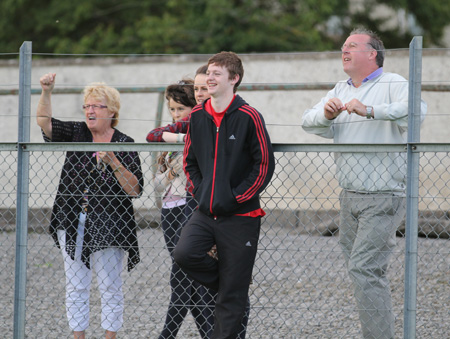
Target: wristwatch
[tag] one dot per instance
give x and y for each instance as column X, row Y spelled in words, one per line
column 369, row 110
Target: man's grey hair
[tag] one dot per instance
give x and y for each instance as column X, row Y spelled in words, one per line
column 375, row 42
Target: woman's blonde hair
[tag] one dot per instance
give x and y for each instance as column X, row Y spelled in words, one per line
column 111, row 96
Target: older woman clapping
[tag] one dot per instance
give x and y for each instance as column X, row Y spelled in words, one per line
column 93, row 219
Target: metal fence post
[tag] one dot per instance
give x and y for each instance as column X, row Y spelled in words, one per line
column 159, row 111
column 22, row 190
column 412, row 187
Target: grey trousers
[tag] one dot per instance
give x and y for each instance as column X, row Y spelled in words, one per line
column 368, row 223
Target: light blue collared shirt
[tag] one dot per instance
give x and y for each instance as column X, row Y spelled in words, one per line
column 371, row 76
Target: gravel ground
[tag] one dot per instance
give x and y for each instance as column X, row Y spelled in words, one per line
column 300, row 289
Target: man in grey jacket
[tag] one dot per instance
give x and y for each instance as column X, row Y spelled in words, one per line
column 370, row 107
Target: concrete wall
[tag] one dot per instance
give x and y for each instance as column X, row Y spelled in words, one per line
column 282, row 110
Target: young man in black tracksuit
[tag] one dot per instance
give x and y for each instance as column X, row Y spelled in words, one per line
column 228, row 162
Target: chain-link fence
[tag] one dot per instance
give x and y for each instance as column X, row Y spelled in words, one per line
column 300, row 286
column 300, row 283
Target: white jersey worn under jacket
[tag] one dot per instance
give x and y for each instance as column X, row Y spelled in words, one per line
column 163, row 184
column 368, row 172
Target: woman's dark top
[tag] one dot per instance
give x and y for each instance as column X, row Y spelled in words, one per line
column 109, row 210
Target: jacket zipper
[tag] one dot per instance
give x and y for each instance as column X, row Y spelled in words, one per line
column 214, row 172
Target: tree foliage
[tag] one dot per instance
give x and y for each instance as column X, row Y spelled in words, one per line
column 203, row 26
column 427, row 18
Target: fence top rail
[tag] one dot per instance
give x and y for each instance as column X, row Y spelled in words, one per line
column 99, row 146
column 279, row 147
column 8, row 146
column 163, row 146
column 432, row 147
column 331, row 147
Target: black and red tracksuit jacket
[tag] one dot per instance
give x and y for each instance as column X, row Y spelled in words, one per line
column 228, row 165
